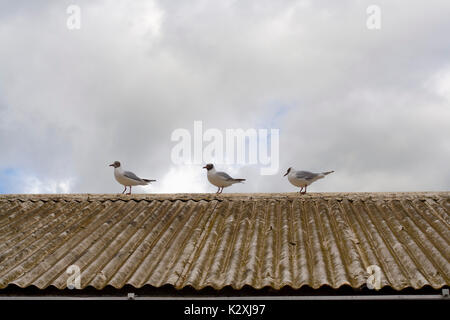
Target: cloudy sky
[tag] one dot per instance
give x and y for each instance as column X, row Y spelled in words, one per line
column 371, row 104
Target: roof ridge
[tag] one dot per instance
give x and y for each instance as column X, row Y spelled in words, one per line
column 221, row 197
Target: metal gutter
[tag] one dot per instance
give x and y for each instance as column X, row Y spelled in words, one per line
column 252, row 298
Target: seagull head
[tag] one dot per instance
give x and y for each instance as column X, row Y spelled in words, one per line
column 287, row 172
column 116, row 164
column 209, row 166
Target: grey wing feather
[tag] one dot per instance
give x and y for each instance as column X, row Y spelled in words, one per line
column 131, row 175
column 306, row 175
column 224, row 175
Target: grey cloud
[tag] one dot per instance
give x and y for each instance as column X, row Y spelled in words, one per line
column 353, row 100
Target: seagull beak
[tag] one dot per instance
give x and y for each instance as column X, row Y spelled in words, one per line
column 111, row 165
column 285, row 174
column 204, row 167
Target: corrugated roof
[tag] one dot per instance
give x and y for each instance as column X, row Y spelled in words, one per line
column 203, row 240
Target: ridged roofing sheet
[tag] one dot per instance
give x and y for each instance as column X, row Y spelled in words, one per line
column 202, row 240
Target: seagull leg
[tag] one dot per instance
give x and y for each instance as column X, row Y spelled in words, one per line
column 124, row 190
column 221, row 190
column 304, row 191
column 130, row 191
column 301, row 190
column 218, row 189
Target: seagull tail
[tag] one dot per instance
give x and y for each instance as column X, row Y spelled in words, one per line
column 148, row 180
column 328, row 172
column 239, row 180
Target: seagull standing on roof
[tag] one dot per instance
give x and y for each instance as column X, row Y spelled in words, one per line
column 220, row 179
column 302, row 179
column 127, row 178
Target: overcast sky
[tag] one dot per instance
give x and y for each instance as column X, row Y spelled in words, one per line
column 373, row 105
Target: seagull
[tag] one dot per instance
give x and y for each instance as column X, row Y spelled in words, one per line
column 220, row 179
column 127, row 178
column 302, row 179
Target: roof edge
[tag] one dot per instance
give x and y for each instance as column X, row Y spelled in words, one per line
column 227, row 196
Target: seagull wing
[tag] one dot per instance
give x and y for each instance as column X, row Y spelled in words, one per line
column 305, row 175
column 131, row 175
column 225, row 176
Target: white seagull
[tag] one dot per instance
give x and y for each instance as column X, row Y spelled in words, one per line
column 220, row 179
column 302, row 179
column 127, row 178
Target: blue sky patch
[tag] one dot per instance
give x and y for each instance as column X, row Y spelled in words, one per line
column 9, row 180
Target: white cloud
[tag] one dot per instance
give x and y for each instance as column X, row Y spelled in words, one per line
column 439, row 83
column 35, row 185
column 71, row 102
column 182, row 179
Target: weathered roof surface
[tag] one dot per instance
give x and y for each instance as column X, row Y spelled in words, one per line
column 202, row 240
